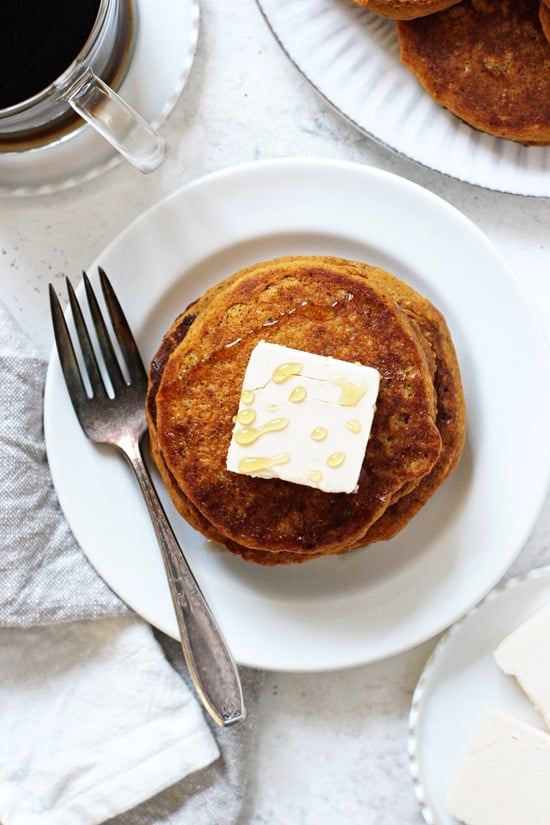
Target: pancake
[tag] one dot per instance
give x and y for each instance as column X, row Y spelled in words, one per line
column 488, row 62
column 544, row 18
column 322, row 305
column 200, row 388
column 405, row 9
column 451, row 414
column 451, row 407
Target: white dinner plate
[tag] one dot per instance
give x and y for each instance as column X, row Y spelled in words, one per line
column 461, row 684
column 351, row 56
column 165, row 40
column 369, row 604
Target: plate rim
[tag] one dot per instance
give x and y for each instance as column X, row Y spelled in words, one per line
column 366, row 173
column 419, row 694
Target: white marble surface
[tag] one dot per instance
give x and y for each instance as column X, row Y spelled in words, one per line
column 332, row 747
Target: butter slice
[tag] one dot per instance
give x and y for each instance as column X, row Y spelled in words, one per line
column 505, row 777
column 303, row 418
column 525, row 654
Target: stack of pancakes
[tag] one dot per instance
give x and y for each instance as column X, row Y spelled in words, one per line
column 327, row 306
column 487, row 61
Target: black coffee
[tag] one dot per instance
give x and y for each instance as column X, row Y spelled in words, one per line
column 38, row 41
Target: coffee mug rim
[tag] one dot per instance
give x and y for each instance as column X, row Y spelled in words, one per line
column 67, row 77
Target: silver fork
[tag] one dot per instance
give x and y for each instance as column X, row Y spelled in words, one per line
column 116, row 416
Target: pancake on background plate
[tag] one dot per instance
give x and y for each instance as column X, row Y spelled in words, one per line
column 488, row 62
column 405, row 9
column 326, row 306
column 544, row 17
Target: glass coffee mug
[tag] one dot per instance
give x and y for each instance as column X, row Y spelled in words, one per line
column 61, row 57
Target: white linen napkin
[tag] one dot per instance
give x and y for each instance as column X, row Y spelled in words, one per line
column 93, row 721
column 98, row 720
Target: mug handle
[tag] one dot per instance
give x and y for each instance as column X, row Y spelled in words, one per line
column 117, row 122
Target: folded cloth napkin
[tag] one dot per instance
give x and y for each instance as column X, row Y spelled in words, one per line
column 98, row 719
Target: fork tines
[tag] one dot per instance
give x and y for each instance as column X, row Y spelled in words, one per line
column 123, row 335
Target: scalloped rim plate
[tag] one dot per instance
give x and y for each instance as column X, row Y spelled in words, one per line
column 461, row 684
column 351, row 56
column 368, row 604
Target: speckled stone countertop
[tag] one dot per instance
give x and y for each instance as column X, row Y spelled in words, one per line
column 332, row 747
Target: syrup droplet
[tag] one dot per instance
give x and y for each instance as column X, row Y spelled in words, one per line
column 351, row 393
column 315, row 476
column 233, row 343
column 248, row 435
column 336, row 460
column 247, row 396
column 354, row 426
column 246, row 416
column 284, row 371
column 252, row 465
column 297, row 395
column 319, row 433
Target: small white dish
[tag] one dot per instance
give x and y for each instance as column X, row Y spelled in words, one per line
column 372, row 603
column 164, row 51
column 351, row 56
column 461, row 684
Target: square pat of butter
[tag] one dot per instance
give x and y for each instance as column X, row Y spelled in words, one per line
column 525, row 654
column 303, row 418
column 504, row 776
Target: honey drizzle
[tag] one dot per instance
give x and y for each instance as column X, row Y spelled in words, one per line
column 284, row 371
column 248, row 435
column 351, row 393
column 314, row 312
column 256, row 464
column 246, row 417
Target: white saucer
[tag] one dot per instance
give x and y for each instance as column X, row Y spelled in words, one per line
column 164, row 51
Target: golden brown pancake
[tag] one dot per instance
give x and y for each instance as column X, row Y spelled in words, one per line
column 451, row 415
column 544, row 18
column 488, row 62
column 195, row 382
column 405, row 9
column 322, row 305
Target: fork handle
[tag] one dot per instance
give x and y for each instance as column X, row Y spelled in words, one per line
column 208, row 658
